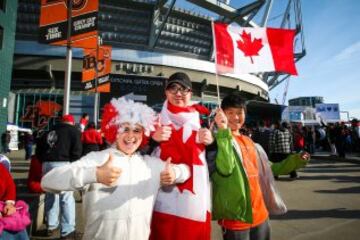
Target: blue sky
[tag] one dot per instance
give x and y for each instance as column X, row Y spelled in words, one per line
column 331, row 68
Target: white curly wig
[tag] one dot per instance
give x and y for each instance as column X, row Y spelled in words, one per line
column 121, row 111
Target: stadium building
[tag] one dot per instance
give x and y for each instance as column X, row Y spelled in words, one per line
column 7, row 40
column 150, row 39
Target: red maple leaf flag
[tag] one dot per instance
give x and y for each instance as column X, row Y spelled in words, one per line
column 249, row 47
column 269, row 49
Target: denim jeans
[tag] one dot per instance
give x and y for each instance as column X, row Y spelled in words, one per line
column 28, row 151
column 261, row 232
column 63, row 203
column 7, row 235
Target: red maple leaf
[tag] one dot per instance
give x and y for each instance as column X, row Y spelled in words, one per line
column 185, row 153
column 250, row 48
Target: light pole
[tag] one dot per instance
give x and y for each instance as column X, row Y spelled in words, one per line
column 97, row 96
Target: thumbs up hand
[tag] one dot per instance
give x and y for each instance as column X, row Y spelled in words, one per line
column 107, row 174
column 167, row 176
column 162, row 133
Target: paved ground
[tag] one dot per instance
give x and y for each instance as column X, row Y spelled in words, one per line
column 324, row 203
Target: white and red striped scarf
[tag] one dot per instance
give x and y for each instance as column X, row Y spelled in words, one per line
column 183, row 212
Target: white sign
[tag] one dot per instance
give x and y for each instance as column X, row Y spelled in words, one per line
column 134, row 97
column 328, row 111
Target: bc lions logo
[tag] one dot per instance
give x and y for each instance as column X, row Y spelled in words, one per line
column 76, row 4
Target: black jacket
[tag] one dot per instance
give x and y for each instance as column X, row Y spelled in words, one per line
column 61, row 144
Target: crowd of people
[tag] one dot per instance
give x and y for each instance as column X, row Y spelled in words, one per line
column 144, row 175
column 338, row 138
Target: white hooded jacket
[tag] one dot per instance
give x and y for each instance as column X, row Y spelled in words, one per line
column 121, row 212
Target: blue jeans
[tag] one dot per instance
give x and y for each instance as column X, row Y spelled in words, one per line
column 22, row 235
column 28, row 151
column 54, row 203
column 260, row 232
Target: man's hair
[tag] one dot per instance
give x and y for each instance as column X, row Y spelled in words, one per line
column 91, row 125
column 233, row 101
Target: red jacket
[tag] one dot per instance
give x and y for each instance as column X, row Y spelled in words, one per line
column 7, row 185
column 91, row 136
column 35, row 175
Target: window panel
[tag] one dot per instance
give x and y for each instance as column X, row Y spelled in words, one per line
column 2, row 5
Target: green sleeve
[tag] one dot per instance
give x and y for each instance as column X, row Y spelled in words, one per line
column 225, row 157
column 291, row 163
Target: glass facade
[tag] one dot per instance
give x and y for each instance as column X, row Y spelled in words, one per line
column 306, row 101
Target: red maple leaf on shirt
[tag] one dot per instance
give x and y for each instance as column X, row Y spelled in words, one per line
column 249, row 47
column 183, row 153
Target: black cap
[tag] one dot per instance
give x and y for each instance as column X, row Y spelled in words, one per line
column 180, row 78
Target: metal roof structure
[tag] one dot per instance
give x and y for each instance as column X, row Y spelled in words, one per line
column 161, row 33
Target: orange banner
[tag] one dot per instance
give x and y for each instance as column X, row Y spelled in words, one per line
column 54, row 24
column 103, row 66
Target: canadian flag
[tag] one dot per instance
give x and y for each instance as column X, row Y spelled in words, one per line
column 183, row 211
column 251, row 50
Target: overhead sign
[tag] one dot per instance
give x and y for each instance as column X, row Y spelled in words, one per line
column 103, row 66
column 134, row 97
column 149, row 90
column 328, row 112
column 54, row 22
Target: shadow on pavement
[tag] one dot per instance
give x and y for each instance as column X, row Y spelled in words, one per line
column 313, row 214
column 341, row 190
column 331, row 165
column 312, row 170
column 336, row 178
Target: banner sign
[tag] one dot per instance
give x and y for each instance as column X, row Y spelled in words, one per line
column 54, row 24
column 328, row 111
column 103, row 66
column 137, row 88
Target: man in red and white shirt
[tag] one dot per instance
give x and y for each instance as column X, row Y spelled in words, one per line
column 182, row 211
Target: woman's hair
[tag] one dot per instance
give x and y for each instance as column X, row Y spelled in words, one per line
column 233, row 101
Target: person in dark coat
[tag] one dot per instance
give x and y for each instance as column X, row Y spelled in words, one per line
column 63, row 146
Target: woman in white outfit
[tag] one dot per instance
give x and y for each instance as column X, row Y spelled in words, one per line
column 119, row 184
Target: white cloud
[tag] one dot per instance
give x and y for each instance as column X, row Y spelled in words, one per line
column 348, row 52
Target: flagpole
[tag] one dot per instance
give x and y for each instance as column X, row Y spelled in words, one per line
column 68, row 69
column 96, row 100
column 216, row 72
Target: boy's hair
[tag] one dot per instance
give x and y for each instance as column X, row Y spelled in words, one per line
column 233, row 101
